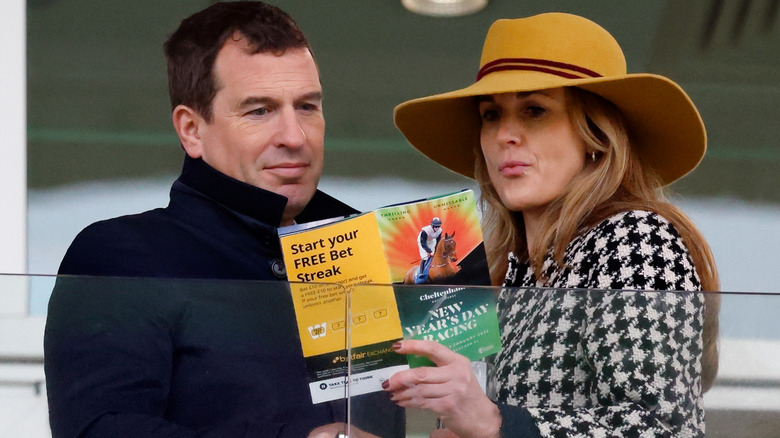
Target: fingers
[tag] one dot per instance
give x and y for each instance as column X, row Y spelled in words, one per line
column 422, row 395
column 443, row 433
column 452, row 374
column 450, row 389
column 328, row 430
column 333, row 430
column 439, row 354
column 414, row 377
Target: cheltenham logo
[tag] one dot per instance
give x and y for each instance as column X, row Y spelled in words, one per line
column 317, row 330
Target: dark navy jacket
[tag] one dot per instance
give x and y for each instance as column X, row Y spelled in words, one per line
column 214, row 227
column 147, row 356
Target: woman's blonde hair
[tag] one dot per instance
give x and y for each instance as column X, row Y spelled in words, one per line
column 616, row 181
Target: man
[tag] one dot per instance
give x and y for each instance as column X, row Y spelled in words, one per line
column 179, row 359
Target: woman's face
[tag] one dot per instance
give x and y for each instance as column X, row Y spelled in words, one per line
column 530, row 148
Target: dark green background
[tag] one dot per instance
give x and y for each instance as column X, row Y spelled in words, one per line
column 98, row 105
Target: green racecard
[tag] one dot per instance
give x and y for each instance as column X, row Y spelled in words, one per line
column 461, row 318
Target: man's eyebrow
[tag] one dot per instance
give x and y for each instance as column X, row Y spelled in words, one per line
column 265, row 100
column 255, row 100
column 314, row 95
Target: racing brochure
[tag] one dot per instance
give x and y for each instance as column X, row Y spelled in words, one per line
column 464, row 319
column 327, row 259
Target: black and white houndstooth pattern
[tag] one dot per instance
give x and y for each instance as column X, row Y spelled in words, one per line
column 606, row 363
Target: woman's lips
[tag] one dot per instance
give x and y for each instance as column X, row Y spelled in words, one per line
column 513, row 168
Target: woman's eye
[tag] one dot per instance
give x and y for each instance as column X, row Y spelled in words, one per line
column 535, row 111
column 489, row 115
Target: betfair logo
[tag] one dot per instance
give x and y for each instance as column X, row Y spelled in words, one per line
column 318, row 330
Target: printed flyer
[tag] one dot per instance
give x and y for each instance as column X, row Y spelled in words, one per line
column 463, row 319
column 322, row 311
column 430, row 241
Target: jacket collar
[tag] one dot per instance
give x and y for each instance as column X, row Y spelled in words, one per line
column 248, row 200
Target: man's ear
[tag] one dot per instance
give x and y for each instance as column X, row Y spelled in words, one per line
column 189, row 125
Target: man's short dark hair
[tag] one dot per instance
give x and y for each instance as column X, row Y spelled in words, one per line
column 192, row 50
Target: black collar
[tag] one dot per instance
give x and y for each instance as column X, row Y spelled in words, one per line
column 257, row 203
column 236, row 195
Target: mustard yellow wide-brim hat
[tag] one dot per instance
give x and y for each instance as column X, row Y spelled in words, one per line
column 559, row 50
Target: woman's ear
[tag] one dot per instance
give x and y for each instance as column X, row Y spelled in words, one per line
column 188, row 125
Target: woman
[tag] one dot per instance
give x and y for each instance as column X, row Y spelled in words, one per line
column 571, row 155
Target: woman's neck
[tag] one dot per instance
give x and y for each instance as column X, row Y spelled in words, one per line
column 532, row 222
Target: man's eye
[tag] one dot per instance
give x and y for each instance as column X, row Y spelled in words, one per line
column 308, row 107
column 259, row 111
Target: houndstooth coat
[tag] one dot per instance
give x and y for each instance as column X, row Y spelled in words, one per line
column 619, row 363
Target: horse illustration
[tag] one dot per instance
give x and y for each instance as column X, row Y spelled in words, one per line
column 442, row 264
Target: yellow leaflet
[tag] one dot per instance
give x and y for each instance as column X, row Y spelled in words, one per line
column 347, row 253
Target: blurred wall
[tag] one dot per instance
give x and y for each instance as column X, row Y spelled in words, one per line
column 98, row 104
column 13, row 166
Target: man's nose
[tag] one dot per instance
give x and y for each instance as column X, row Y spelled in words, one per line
column 291, row 133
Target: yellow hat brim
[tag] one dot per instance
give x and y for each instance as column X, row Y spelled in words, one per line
column 664, row 125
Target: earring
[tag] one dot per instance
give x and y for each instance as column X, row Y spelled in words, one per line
column 593, row 156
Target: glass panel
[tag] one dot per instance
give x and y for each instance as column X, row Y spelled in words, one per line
column 744, row 400
column 234, row 322
column 224, row 355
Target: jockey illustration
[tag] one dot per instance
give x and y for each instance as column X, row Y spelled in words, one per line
column 426, row 241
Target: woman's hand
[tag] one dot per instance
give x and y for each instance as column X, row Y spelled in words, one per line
column 442, row 433
column 450, row 390
column 333, row 430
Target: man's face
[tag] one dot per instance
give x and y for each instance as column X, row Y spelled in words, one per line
column 267, row 127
